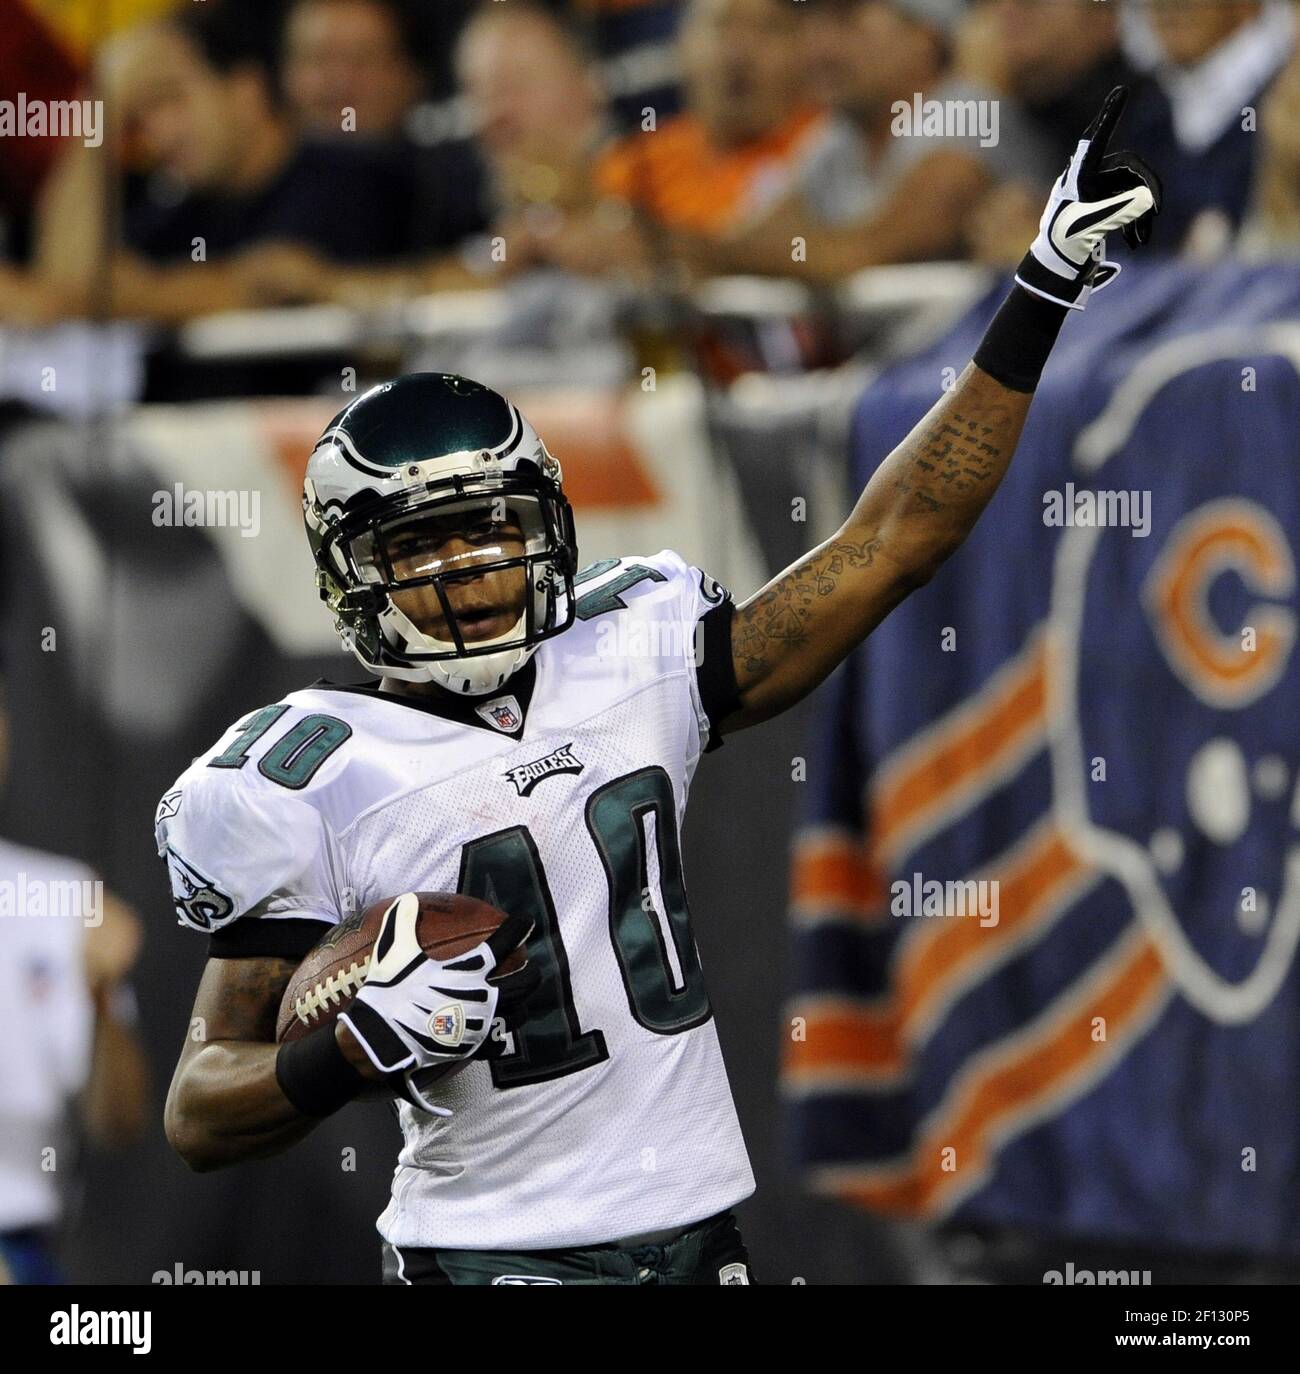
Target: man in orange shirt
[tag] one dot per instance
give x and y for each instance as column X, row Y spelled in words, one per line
column 689, row 179
column 746, row 122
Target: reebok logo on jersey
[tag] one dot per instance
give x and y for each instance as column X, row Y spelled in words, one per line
column 525, row 1280
column 528, row 775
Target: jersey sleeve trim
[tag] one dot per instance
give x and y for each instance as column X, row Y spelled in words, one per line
column 715, row 670
column 288, row 937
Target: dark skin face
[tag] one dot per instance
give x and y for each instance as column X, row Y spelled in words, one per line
column 485, row 606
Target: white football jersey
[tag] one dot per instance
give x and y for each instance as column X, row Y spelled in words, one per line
column 560, row 796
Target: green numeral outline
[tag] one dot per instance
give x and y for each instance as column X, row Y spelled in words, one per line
column 616, row 816
column 607, row 598
column 294, row 760
column 235, row 755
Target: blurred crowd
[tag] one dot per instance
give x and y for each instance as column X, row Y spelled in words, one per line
column 273, row 152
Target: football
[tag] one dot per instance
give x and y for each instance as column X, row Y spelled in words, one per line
column 332, row 973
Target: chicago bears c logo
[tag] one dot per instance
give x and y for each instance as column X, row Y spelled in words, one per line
column 1174, row 680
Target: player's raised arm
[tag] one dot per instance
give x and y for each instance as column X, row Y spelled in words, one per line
column 925, row 497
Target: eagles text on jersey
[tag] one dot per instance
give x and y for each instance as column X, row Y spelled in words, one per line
column 560, row 796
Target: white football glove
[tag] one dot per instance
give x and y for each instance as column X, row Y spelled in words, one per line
column 1096, row 193
column 414, row 1012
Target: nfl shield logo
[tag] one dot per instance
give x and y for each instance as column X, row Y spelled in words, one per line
column 503, row 713
column 447, row 1024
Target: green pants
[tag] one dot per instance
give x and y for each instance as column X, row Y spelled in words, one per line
column 710, row 1252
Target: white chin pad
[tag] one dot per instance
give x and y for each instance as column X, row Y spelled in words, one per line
column 414, row 641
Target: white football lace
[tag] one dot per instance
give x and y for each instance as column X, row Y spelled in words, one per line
column 332, row 989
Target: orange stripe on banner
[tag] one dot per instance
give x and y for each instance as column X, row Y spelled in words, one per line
column 834, row 873
column 1044, row 1066
column 1035, row 881
column 842, row 1037
column 937, row 772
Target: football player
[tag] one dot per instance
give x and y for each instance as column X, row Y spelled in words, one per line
column 528, row 738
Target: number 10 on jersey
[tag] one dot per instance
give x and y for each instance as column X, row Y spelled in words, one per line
column 632, row 823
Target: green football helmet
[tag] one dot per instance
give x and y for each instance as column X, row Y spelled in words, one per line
column 399, row 468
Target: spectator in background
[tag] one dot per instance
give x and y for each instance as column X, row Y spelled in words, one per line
column 34, row 62
column 350, row 73
column 866, row 194
column 66, row 1036
column 647, row 198
column 662, row 194
column 194, row 96
column 1221, row 59
column 748, row 120
column 536, row 104
column 676, row 185
column 348, row 66
column 1058, row 59
column 235, row 172
column 538, row 111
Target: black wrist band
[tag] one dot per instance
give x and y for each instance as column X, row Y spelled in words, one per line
column 1017, row 344
column 314, row 1074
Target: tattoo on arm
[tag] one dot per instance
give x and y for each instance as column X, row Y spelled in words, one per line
column 953, row 459
column 920, row 504
column 246, row 998
column 779, row 617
